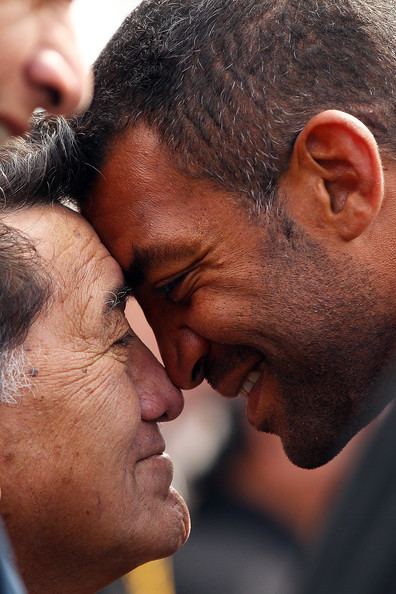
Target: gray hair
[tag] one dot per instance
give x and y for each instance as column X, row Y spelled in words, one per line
column 13, row 374
column 25, row 285
column 227, row 85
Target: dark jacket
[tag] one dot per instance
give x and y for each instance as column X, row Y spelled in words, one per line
column 10, row 582
column 358, row 552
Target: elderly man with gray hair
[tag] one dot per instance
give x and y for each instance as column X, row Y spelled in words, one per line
column 83, row 469
column 40, row 67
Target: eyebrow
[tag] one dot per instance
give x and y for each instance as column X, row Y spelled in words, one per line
column 145, row 260
column 117, row 298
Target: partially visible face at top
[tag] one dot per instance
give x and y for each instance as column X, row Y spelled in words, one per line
column 85, row 483
column 254, row 306
column 39, row 63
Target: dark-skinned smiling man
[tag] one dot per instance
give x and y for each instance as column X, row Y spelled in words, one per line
column 247, row 179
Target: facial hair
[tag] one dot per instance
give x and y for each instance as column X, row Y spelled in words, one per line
column 338, row 336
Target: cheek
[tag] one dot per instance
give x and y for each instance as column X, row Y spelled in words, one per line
column 81, row 453
column 108, row 392
column 224, row 315
column 15, row 27
column 92, row 404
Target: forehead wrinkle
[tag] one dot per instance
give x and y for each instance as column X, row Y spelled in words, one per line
column 88, row 274
column 91, row 285
column 78, row 255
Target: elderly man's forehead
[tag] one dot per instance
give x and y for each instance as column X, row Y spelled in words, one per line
column 67, row 243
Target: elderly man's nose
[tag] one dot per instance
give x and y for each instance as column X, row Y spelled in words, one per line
column 164, row 403
column 159, row 399
column 184, row 356
column 61, row 83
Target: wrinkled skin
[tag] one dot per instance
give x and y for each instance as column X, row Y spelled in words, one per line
column 40, row 65
column 83, row 469
column 227, row 294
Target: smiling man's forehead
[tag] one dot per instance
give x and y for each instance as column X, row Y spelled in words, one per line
column 150, row 215
column 146, row 259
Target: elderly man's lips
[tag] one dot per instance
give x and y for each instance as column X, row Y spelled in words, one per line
column 160, row 458
column 160, row 465
column 157, row 448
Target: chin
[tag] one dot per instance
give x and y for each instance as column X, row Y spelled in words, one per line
column 312, row 459
column 306, row 451
column 174, row 529
column 181, row 525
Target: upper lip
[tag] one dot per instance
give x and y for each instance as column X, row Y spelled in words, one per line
column 230, row 385
column 155, row 447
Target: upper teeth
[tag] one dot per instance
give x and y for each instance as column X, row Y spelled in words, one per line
column 249, row 383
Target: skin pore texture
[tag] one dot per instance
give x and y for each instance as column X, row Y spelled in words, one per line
column 293, row 309
column 40, row 65
column 83, row 468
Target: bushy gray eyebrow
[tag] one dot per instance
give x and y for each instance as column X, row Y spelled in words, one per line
column 117, row 298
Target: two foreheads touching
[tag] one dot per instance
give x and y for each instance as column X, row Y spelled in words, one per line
column 227, row 87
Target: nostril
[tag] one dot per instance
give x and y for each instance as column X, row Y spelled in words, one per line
column 54, row 97
column 58, row 81
column 197, row 373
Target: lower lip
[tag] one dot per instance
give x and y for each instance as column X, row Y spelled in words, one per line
column 160, row 458
column 162, row 462
column 155, row 473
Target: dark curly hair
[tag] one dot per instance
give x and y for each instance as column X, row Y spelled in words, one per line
column 228, row 85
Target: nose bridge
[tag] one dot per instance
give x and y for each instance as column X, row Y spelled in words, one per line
column 183, row 351
column 56, row 68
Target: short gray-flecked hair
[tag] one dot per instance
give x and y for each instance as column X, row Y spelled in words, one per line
column 24, row 280
column 13, row 374
column 227, row 85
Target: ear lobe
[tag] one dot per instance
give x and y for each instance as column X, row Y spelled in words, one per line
column 340, row 156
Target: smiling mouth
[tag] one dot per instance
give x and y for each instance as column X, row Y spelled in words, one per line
column 251, row 380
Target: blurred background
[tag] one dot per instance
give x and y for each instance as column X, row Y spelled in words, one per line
column 254, row 514
column 95, row 22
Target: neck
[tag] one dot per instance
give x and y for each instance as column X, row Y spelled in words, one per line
column 53, row 574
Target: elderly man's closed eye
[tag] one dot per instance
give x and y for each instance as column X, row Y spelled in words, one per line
column 86, row 492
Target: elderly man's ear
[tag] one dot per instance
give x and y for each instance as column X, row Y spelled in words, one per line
column 335, row 177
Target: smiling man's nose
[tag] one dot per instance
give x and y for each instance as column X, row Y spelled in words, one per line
column 61, row 83
column 184, row 355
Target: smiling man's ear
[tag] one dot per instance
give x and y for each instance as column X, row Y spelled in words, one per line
column 335, row 176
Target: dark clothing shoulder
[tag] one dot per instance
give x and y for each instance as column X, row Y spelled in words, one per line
column 10, row 583
column 358, row 551
column 236, row 550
